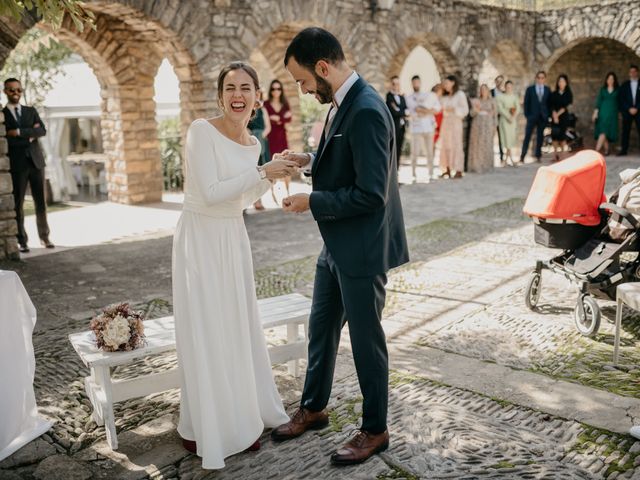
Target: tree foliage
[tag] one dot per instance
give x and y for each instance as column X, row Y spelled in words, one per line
column 36, row 61
column 50, row 11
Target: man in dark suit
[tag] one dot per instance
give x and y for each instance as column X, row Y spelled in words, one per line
column 398, row 107
column 356, row 202
column 495, row 93
column 629, row 103
column 24, row 127
column 536, row 111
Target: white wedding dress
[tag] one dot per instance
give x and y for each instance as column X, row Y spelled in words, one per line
column 228, row 395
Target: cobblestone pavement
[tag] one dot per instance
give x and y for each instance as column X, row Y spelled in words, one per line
column 462, row 293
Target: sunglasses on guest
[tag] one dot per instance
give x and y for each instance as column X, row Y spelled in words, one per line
column 276, row 89
column 14, row 90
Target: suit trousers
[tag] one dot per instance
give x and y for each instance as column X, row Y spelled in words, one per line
column 422, row 144
column 627, row 120
column 399, row 143
column 357, row 301
column 34, row 177
column 538, row 124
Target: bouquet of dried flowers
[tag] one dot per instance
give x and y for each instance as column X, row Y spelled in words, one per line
column 118, row 328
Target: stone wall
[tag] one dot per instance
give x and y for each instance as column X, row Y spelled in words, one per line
column 8, row 230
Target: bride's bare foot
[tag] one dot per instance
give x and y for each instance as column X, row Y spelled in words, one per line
column 190, row 446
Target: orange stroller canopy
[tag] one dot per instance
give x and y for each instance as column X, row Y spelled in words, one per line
column 569, row 190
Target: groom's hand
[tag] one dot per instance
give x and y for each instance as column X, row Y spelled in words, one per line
column 297, row 203
column 301, row 159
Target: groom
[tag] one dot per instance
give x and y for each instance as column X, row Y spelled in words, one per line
column 356, row 203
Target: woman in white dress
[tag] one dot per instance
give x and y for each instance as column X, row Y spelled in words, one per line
column 455, row 108
column 228, row 395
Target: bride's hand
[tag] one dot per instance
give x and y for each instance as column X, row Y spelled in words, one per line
column 301, row 159
column 279, row 168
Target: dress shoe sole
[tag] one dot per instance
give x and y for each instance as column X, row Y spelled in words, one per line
column 319, row 425
column 342, row 463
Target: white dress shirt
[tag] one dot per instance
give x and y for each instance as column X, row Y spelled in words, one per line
column 634, row 90
column 13, row 108
column 422, row 123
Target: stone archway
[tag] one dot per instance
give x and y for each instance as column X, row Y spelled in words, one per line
column 506, row 58
column 445, row 60
column 125, row 51
column 586, row 62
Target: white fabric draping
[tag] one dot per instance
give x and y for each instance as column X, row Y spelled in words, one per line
column 59, row 173
column 19, row 419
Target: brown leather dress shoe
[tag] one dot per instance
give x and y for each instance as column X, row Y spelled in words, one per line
column 300, row 422
column 362, row 446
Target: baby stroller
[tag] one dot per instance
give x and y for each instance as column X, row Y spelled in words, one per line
column 571, row 135
column 570, row 212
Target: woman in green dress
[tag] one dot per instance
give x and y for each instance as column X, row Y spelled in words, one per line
column 606, row 114
column 508, row 109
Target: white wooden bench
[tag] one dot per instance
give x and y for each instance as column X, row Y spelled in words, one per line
column 290, row 310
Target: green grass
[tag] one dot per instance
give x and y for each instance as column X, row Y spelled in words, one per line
column 613, row 442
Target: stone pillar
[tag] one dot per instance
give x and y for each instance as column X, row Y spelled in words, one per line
column 134, row 169
column 8, row 227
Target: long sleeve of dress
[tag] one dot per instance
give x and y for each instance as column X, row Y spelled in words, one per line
column 202, row 162
column 256, row 192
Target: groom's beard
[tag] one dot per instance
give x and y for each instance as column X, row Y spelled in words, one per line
column 323, row 90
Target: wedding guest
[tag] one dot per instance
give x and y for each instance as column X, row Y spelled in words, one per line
column 227, row 394
column 398, row 107
column 536, row 111
column 439, row 91
column 455, row 108
column 23, row 129
column 605, row 114
column 495, row 93
column 483, row 128
column 279, row 112
column 559, row 102
column 508, row 110
column 422, row 108
column 629, row 103
column 260, row 126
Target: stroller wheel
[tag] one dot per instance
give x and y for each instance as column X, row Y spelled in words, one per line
column 532, row 292
column 587, row 322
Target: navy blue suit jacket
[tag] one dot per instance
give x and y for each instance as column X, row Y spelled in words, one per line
column 355, row 197
column 535, row 109
column 625, row 99
column 21, row 149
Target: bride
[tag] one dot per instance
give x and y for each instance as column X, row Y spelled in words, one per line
column 228, row 395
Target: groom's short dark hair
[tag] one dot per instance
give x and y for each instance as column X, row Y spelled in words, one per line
column 312, row 45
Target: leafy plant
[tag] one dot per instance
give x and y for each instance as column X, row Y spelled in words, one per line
column 50, row 11
column 36, row 61
column 171, row 153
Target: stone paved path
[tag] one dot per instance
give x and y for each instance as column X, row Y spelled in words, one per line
column 480, row 388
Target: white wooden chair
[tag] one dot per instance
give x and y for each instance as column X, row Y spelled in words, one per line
column 290, row 310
